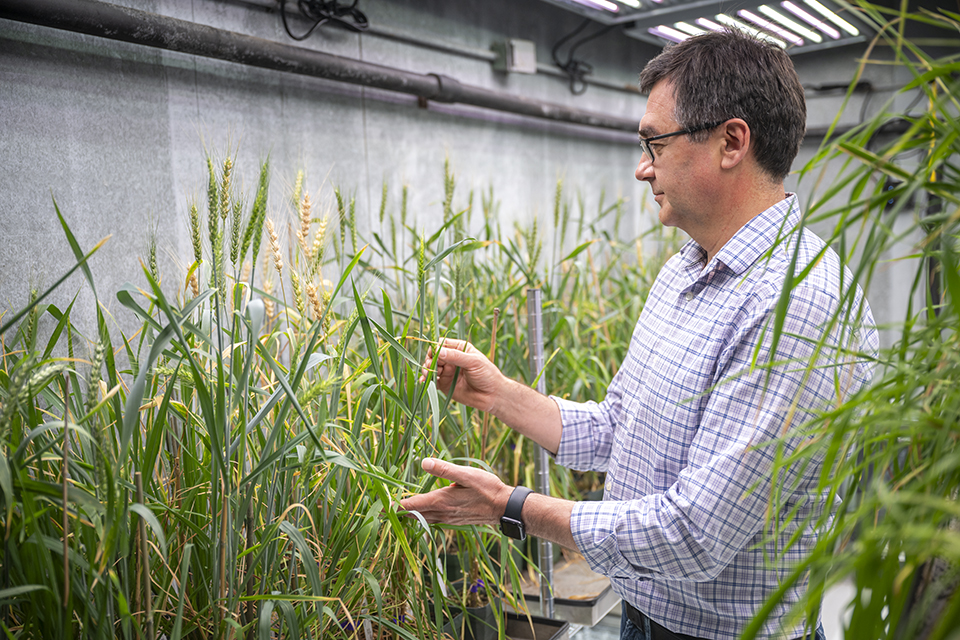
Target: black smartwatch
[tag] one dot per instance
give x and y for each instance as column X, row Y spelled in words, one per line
column 511, row 524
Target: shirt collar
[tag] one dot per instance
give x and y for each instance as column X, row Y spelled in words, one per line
column 753, row 240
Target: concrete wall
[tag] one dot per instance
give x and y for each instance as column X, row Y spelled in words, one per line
column 118, row 133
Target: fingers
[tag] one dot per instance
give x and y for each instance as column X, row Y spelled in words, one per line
column 448, row 351
column 446, row 470
column 475, row 497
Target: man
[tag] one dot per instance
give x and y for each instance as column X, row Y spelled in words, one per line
column 684, row 431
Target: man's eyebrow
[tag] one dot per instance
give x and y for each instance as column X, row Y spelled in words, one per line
column 647, row 132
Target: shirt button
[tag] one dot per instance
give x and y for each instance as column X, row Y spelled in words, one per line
column 689, row 295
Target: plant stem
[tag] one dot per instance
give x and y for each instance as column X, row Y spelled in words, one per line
column 145, row 555
column 66, row 510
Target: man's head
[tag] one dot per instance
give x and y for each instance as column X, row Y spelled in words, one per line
column 718, row 76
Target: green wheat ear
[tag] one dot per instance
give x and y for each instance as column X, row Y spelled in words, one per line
column 224, row 205
column 470, row 207
column 254, row 230
column 403, row 206
column 421, row 261
column 340, row 244
column 195, row 233
column 236, row 223
column 152, row 253
column 352, row 223
column 383, row 202
column 557, row 202
column 211, row 200
column 448, row 187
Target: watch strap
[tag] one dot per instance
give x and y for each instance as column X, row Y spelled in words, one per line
column 512, row 513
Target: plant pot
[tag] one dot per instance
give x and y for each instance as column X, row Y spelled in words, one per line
column 518, row 627
column 580, row 596
column 477, row 623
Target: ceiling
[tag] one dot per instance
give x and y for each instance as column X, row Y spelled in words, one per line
column 799, row 26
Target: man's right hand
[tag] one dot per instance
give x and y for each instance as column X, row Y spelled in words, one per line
column 479, row 381
column 481, row 385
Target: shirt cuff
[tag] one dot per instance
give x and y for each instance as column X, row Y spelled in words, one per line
column 578, row 448
column 594, row 528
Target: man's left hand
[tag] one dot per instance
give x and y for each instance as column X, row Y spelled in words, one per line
column 475, row 497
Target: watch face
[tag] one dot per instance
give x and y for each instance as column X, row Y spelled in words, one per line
column 512, row 528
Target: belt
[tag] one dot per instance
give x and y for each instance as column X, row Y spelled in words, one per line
column 658, row 631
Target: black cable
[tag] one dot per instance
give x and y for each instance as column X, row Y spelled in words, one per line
column 577, row 70
column 321, row 12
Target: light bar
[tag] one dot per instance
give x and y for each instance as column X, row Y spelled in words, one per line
column 606, row 5
column 709, row 24
column 793, row 25
column 630, row 3
column 763, row 23
column 688, row 28
column 669, row 33
column 832, row 17
column 809, row 19
column 736, row 24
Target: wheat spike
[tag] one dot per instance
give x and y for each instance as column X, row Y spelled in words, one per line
column 275, row 247
column 314, row 300
column 303, row 233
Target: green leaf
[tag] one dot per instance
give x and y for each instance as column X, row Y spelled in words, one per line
column 940, row 71
column 81, row 263
column 144, row 512
column 573, row 254
column 309, row 563
column 263, row 624
column 11, row 594
column 177, row 631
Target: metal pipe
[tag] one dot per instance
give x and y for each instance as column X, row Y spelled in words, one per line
column 541, row 457
column 148, row 29
column 486, row 55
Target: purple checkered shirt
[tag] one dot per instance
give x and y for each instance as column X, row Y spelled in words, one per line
column 681, row 431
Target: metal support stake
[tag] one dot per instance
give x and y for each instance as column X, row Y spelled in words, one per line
column 542, row 458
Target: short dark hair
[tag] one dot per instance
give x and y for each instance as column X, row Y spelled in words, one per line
column 723, row 75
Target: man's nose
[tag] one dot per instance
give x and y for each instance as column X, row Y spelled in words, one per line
column 644, row 168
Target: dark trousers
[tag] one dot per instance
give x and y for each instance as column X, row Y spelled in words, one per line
column 634, row 625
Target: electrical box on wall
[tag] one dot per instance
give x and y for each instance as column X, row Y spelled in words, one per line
column 515, row 56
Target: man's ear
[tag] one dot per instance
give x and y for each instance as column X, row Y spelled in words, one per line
column 736, row 143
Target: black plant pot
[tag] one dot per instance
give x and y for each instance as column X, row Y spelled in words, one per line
column 477, row 623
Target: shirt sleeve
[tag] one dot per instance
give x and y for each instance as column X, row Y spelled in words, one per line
column 718, row 505
column 587, row 436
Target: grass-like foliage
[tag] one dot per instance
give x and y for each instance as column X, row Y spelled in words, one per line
column 891, row 451
column 232, row 469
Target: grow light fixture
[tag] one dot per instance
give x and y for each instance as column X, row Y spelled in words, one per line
column 812, row 21
column 796, row 25
column 603, row 5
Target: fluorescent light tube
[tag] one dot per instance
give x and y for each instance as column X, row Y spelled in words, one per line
column 763, row 23
column 606, row 5
column 809, row 19
column 832, row 17
column 688, row 28
column 668, row 33
column 736, row 24
column 793, row 25
column 709, row 24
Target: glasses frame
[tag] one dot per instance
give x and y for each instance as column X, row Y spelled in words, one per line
column 645, row 142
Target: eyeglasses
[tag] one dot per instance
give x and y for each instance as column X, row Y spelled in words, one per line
column 645, row 142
